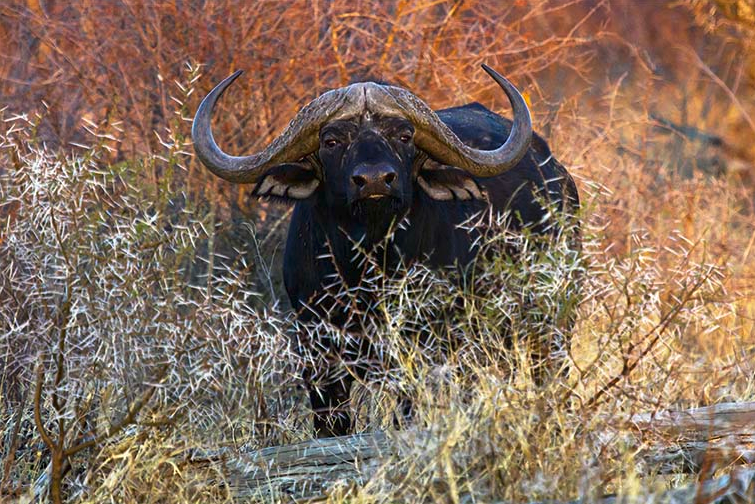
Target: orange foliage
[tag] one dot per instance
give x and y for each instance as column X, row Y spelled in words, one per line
column 110, row 62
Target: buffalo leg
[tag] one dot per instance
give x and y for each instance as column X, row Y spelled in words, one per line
column 403, row 417
column 330, row 404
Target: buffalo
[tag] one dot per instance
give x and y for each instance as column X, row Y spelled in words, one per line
column 370, row 161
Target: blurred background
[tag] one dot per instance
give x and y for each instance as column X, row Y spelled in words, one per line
column 634, row 74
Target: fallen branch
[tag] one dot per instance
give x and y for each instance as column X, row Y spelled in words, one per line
column 721, row 435
column 736, row 487
column 724, row 419
column 303, row 470
column 686, row 441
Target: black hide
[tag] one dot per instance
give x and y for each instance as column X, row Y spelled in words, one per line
column 319, row 249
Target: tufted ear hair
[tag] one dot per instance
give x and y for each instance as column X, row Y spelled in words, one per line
column 288, row 182
column 444, row 183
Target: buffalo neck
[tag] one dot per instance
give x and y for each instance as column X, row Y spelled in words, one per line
column 352, row 233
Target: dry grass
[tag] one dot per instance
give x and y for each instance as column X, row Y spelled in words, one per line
column 140, row 315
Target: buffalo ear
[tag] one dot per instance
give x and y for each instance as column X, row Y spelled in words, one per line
column 287, row 182
column 444, row 183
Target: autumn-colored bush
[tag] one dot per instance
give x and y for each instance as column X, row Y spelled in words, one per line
column 119, row 63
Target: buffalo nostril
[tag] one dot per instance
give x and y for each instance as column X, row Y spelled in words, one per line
column 389, row 178
column 359, row 180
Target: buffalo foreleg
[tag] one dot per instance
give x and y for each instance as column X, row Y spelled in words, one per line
column 330, row 405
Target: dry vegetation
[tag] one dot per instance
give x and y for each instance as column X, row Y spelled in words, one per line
column 141, row 312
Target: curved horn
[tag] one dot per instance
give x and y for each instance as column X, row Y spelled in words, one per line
column 437, row 139
column 298, row 140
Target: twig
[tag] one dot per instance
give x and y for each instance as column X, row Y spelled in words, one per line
column 658, row 330
column 308, row 470
column 715, row 78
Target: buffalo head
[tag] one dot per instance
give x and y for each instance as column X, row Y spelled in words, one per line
column 363, row 150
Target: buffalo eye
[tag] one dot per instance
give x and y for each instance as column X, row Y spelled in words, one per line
column 405, row 137
column 331, row 142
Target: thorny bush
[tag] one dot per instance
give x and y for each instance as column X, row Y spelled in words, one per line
column 126, row 340
column 116, row 313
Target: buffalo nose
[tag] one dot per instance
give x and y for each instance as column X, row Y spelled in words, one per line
column 374, row 177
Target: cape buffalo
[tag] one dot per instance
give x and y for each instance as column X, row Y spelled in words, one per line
column 358, row 160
